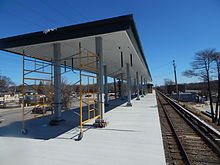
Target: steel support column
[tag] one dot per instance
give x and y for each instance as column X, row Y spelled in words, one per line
column 142, row 89
column 129, row 84
column 57, row 81
column 98, row 41
column 134, row 86
column 115, row 88
column 144, row 86
column 138, row 90
column 122, row 87
column 106, row 85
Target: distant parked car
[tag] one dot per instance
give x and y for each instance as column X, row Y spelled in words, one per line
column 88, row 95
column 42, row 109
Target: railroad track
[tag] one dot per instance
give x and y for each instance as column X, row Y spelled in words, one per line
column 188, row 139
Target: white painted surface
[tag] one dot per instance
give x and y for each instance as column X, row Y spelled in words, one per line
column 111, row 52
column 133, row 137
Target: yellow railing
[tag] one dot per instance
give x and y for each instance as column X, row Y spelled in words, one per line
column 33, row 69
column 93, row 110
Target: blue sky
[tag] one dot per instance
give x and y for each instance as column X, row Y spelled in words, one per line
column 168, row 29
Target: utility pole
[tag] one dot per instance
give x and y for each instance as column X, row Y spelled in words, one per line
column 177, row 90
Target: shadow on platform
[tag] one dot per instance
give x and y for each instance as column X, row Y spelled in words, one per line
column 40, row 128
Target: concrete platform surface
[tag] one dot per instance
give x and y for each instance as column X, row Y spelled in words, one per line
column 132, row 137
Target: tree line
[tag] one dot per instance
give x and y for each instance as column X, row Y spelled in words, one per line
column 206, row 66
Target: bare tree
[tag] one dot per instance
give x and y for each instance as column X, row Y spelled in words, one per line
column 67, row 92
column 201, row 67
column 40, row 88
column 216, row 59
column 168, row 82
column 5, row 82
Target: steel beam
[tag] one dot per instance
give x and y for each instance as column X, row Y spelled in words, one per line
column 146, row 88
column 122, row 87
column 99, row 51
column 134, row 86
column 142, row 88
column 115, row 87
column 106, row 85
column 138, row 90
column 57, row 81
column 129, row 84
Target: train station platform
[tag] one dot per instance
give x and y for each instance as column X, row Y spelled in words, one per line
column 132, row 136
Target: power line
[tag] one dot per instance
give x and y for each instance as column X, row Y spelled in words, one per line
column 36, row 12
column 26, row 20
column 76, row 10
column 161, row 66
column 160, row 76
column 57, row 11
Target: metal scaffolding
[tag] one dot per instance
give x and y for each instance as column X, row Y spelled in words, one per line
column 92, row 86
column 36, row 91
column 89, row 86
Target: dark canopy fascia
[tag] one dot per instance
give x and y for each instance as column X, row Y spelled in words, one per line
column 122, row 23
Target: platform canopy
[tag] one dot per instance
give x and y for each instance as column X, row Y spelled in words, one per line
column 119, row 36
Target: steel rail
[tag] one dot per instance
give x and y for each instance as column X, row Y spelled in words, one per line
column 191, row 115
column 202, row 129
column 178, row 141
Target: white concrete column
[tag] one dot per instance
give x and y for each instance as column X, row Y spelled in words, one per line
column 146, row 88
column 142, row 88
column 98, row 42
column 134, row 86
column 115, row 87
column 138, row 91
column 97, row 83
column 129, row 84
column 122, row 87
column 57, row 81
column 106, row 85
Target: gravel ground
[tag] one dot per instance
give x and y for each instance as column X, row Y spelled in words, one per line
column 198, row 113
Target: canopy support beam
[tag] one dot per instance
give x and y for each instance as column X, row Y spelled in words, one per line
column 129, row 84
column 57, row 84
column 138, row 90
column 142, row 88
column 106, row 85
column 99, row 51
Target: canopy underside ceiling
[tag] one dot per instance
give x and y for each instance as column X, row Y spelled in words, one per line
column 119, row 41
column 113, row 44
